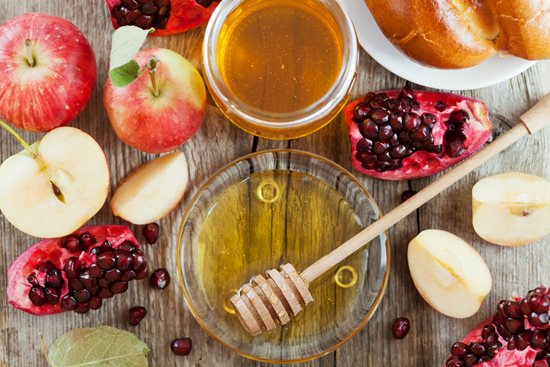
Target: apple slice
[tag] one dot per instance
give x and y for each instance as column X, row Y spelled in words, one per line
column 151, row 191
column 52, row 188
column 511, row 209
column 448, row 273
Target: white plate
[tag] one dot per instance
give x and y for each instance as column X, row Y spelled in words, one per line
column 371, row 38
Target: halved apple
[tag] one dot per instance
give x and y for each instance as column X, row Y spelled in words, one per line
column 55, row 186
column 511, row 209
column 152, row 190
column 449, row 274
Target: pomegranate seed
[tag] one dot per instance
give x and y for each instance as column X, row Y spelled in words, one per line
column 68, row 303
column 138, row 261
column 136, row 314
column 470, row 360
column 72, row 267
column 477, row 349
column 95, row 303
column 123, row 260
column 32, row 279
column 400, row 327
column 119, row 287
column 82, row 308
column 71, row 243
column 459, row 349
column 105, row 293
column 126, row 246
column 159, row 279
column 106, row 260
column 182, row 346
column 113, row 275
column 52, row 295
column 37, row 296
column 86, row 240
column 83, row 295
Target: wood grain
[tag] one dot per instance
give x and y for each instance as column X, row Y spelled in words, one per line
column 217, row 143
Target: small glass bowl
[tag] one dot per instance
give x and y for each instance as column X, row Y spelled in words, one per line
column 280, row 126
column 318, row 329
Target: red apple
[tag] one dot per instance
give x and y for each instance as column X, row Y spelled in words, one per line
column 157, row 113
column 47, row 71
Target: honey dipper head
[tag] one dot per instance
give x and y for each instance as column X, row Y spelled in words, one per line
column 266, row 301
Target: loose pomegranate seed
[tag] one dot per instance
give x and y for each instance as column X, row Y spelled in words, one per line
column 406, row 195
column 136, row 314
column 105, row 293
column 159, row 279
column 400, row 327
column 182, row 346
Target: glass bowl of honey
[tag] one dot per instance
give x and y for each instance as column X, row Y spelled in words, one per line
column 271, row 208
column 280, row 69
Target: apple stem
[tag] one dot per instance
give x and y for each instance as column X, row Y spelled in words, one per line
column 152, row 66
column 30, row 58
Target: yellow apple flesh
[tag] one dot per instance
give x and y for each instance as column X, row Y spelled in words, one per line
column 511, row 209
column 449, row 274
column 68, row 158
column 151, row 191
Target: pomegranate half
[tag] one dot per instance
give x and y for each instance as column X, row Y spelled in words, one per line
column 76, row 272
column 166, row 16
column 518, row 335
column 406, row 134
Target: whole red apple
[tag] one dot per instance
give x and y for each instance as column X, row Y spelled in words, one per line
column 47, row 71
column 160, row 110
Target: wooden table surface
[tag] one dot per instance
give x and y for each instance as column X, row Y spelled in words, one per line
column 217, row 143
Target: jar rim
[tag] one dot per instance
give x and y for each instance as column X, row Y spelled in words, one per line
column 318, row 110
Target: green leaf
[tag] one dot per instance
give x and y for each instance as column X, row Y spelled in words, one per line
column 125, row 74
column 126, row 43
column 103, row 346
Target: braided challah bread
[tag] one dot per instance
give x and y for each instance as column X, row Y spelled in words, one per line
column 453, row 34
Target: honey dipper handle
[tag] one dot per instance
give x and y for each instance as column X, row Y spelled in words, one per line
column 535, row 119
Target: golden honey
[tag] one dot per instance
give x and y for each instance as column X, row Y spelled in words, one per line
column 271, row 218
column 280, row 56
column 280, row 69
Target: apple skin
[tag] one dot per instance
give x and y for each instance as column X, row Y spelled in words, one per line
column 58, row 87
column 158, row 124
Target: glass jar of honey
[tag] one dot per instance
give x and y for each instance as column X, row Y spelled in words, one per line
column 280, row 69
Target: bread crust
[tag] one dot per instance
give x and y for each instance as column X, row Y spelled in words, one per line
column 524, row 27
column 452, row 34
column 433, row 32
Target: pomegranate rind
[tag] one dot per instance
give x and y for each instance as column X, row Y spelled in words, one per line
column 50, row 250
column 423, row 163
column 184, row 15
column 504, row 357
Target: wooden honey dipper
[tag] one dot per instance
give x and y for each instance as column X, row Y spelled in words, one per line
column 267, row 301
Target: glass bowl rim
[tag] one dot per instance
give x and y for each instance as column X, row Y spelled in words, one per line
column 181, row 283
